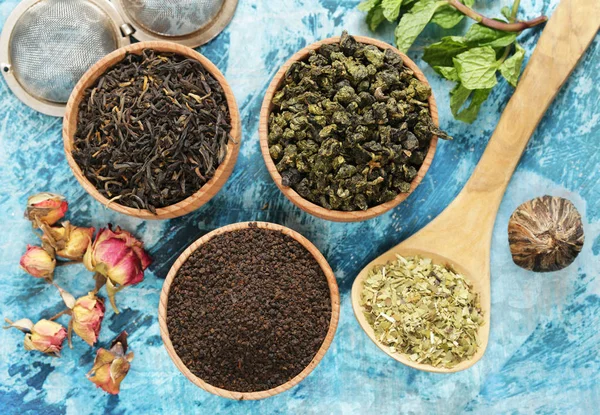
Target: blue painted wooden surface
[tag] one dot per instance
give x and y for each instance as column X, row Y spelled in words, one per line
column 544, row 353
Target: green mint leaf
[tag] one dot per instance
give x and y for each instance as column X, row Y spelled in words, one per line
column 375, row 17
column 448, row 72
column 447, row 16
column 412, row 23
column 477, row 68
column 479, row 35
column 459, row 97
column 391, row 9
column 511, row 67
column 507, row 12
column 442, row 52
column 368, row 5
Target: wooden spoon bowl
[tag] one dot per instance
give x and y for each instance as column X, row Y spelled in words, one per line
column 210, row 189
column 478, row 285
column 291, row 194
column 461, row 236
column 335, row 312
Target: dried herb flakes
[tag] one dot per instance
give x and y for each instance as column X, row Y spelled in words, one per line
column 423, row 310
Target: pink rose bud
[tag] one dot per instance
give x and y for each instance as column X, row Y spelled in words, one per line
column 44, row 336
column 119, row 257
column 37, row 262
column 88, row 313
column 111, row 366
column 68, row 241
column 48, row 208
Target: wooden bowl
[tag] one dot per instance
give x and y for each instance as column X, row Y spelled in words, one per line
column 295, row 198
column 335, row 312
column 210, row 189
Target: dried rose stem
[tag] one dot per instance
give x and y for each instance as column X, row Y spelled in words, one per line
column 59, row 314
column 495, row 24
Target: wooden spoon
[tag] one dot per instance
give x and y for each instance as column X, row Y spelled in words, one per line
column 461, row 235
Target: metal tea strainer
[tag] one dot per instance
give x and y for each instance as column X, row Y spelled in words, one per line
column 47, row 45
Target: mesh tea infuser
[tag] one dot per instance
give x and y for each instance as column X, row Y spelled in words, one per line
column 47, row 45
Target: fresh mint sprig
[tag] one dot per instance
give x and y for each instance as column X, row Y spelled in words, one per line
column 473, row 60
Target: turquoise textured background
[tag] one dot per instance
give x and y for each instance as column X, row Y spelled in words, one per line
column 544, row 350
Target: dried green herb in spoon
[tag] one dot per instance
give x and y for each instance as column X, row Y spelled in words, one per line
column 423, row 310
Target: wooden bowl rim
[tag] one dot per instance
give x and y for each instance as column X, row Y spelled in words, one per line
column 291, row 194
column 210, row 188
column 335, row 311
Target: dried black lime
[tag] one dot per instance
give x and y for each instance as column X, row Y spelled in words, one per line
column 350, row 126
column 249, row 310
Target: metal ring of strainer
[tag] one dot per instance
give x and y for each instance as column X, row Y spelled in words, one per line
column 47, row 45
column 188, row 22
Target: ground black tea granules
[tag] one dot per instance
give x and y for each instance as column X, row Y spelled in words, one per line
column 152, row 130
column 350, row 126
column 249, row 310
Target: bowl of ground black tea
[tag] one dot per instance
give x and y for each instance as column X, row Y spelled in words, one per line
column 348, row 128
column 249, row 310
column 152, row 130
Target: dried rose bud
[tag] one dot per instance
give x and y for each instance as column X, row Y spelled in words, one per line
column 37, row 262
column 45, row 336
column 68, row 241
column 119, row 257
column 111, row 366
column 47, row 208
column 88, row 313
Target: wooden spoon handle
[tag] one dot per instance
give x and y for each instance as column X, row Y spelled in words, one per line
column 562, row 43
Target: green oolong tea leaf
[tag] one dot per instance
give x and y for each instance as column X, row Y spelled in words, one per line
column 423, row 310
column 477, row 68
column 511, row 67
column 368, row 5
column 479, row 35
column 448, row 72
column 350, row 126
column 459, row 97
column 375, row 17
column 391, row 9
column 442, row 52
column 447, row 16
column 412, row 23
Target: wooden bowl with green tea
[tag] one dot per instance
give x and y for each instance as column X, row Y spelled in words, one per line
column 252, row 316
column 163, row 139
column 333, row 214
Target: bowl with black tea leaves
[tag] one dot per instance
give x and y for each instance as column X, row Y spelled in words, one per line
column 152, row 130
column 348, row 128
column 249, row 310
